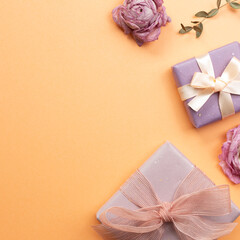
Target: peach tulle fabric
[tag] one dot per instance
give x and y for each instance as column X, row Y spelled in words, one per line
column 194, row 200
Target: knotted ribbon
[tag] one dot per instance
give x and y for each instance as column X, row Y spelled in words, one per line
column 194, row 199
column 204, row 84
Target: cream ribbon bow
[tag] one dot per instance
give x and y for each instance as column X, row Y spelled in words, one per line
column 204, row 84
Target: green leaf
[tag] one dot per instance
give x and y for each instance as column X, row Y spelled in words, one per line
column 201, row 14
column 219, row 3
column 198, row 29
column 212, row 13
column 234, row 5
column 183, row 27
column 186, row 29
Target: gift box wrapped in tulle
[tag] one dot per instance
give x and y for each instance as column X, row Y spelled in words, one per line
column 168, row 198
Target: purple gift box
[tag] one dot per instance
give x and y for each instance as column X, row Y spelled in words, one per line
column 165, row 170
column 183, row 74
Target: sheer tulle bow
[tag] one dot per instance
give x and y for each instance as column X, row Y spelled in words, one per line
column 193, row 201
column 204, row 84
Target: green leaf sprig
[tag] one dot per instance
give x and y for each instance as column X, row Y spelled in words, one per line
column 197, row 25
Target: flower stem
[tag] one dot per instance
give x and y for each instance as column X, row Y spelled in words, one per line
column 198, row 26
column 225, row 4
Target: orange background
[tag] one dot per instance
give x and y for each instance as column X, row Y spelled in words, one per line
column 82, row 106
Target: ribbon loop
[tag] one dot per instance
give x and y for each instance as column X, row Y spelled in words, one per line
column 139, row 191
column 205, row 65
column 204, row 85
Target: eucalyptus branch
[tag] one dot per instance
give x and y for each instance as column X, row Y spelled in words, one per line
column 197, row 25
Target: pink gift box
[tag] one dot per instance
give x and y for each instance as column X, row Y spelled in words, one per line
column 165, row 170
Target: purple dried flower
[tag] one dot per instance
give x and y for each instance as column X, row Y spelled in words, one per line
column 141, row 18
column 230, row 158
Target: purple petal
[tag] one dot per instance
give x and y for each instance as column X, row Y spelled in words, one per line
column 234, row 178
column 158, row 3
column 229, row 158
column 118, row 19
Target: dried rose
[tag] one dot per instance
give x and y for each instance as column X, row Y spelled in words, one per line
column 141, row 18
column 230, row 157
